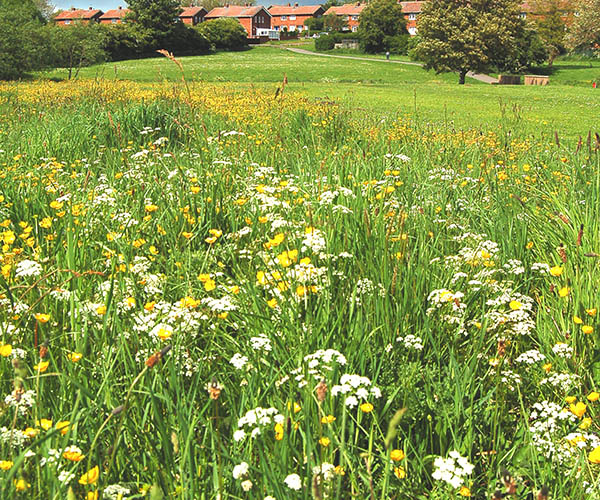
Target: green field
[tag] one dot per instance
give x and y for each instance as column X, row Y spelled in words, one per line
column 390, row 89
column 369, row 283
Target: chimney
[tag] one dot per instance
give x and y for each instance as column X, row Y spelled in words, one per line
column 73, row 8
column 91, row 8
column 289, row 4
column 120, row 7
column 296, row 5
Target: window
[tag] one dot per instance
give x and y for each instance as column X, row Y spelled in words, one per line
column 412, row 31
column 276, row 28
column 412, row 17
column 354, row 29
column 292, row 18
column 523, row 15
column 284, row 18
column 68, row 21
column 355, row 18
column 114, row 21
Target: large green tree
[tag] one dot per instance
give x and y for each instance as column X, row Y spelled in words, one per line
column 76, row 46
column 470, row 35
column 22, row 45
column 380, row 22
column 550, row 26
column 154, row 20
column 584, row 33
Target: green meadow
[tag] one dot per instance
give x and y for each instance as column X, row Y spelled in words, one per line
column 284, row 276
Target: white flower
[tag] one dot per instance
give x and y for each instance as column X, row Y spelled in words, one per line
column 240, row 470
column 238, row 360
column 293, row 482
column 351, row 402
column 247, row 485
column 27, row 268
column 239, row 435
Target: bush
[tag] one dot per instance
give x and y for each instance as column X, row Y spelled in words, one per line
column 223, row 33
column 122, row 42
column 397, row 44
column 326, row 42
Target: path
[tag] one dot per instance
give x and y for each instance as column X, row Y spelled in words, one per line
column 470, row 74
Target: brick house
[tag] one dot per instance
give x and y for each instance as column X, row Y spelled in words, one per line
column 192, row 15
column 114, row 16
column 349, row 12
column 66, row 17
column 532, row 12
column 293, row 17
column 250, row 17
column 411, row 11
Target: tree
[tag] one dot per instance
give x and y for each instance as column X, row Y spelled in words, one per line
column 155, row 20
column 463, row 36
column 380, row 22
column 223, row 33
column 550, row 26
column 314, row 23
column 77, row 45
column 22, row 45
column 584, row 33
column 332, row 22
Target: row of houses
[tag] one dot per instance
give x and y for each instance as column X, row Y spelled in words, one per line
column 260, row 21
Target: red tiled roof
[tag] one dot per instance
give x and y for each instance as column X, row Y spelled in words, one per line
column 66, row 15
column 235, row 11
column 349, row 9
column 119, row 13
column 192, row 11
column 411, row 7
column 286, row 10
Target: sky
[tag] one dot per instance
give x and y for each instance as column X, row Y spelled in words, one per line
column 105, row 5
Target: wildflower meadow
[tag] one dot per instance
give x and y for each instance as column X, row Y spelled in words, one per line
column 227, row 292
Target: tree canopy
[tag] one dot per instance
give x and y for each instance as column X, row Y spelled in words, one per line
column 474, row 35
column 584, row 32
column 155, row 19
column 380, row 21
column 21, row 40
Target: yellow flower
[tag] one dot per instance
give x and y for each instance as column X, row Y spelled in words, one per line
column 529, row 245
column 399, row 472
column 42, row 318
column 339, row 470
column 464, row 491
column 397, row 455
column 46, row 222
column 594, row 455
column 5, row 350
column 585, row 423
column 587, row 329
column 278, row 432
column 44, row 423
column 577, row 320
column 101, row 310
column 570, row 399
column 73, row 454
column 90, row 477
column 272, row 303
column 210, row 285
column 164, row 333
column 547, row 367
column 92, row 495
column 63, row 426
column 564, row 291
column 556, row 270
column 149, row 306
column 187, row 235
column 327, row 419
column 515, row 305
column 5, row 464
column 150, row 208
column 74, row 356
column 366, row 407
column 42, row 366
column 30, row 432
column 578, row 409
column 21, row 484
column 591, row 312
column 324, row 441
column 593, row 396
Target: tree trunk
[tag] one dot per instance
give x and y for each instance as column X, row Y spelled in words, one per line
column 461, row 76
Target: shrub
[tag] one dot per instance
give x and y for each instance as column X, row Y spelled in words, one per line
column 326, row 42
column 397, row 44
column 223, row 33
